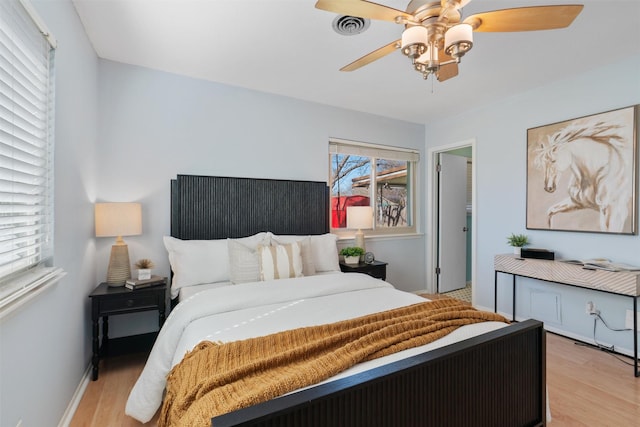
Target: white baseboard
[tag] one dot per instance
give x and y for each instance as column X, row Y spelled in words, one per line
column 76, row 398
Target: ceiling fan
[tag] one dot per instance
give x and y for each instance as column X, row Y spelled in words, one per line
column 434, row 37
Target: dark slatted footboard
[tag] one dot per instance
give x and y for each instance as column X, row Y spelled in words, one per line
column 497, row 379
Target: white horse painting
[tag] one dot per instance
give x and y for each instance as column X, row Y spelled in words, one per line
column 598, row 157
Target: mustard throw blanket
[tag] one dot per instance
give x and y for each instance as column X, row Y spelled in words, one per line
column 214, row 379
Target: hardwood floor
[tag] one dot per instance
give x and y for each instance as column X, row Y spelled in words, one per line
column 587, row 387
column 103, row 402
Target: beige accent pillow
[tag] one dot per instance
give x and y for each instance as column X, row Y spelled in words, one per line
column 280, row 261
column 244, row 265
column 308, row 267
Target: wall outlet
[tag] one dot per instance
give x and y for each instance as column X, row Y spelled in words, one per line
column 591, row 308
column 628, row 321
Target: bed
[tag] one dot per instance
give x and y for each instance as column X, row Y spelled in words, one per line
column 481, row 374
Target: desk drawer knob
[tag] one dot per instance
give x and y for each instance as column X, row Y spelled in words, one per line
column 130, row 303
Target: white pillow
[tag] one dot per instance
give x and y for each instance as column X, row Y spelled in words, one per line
column 254, row 241
column 325, row 252
column 194, row 262
column 244, row 265
column 280, row 261
column 306, row 252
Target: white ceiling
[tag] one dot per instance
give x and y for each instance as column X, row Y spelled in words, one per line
column 288, row 47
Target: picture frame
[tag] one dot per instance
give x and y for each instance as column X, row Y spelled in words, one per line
column 582, row 174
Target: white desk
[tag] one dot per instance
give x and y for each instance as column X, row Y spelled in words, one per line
column 623, row 283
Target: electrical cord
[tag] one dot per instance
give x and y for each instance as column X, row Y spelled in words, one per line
column 608, row 350
column 598, row 316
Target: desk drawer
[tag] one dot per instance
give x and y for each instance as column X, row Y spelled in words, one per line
column 128, row 302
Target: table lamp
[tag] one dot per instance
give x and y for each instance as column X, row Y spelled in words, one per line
column 117, row 220
column 359, row 217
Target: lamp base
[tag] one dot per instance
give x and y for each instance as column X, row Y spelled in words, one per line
column 359, row 240
column 119, row 269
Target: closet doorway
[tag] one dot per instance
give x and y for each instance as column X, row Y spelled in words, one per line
column 452, row 221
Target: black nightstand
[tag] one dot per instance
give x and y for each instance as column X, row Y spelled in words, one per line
column 377, row 269
column 109, row 301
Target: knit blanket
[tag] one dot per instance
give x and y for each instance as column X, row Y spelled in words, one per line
column 217, row 378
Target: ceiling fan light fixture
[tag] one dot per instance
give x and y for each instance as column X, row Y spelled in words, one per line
column 458, row 40
column 429, row 55
column 428, row 62
column 414, row 41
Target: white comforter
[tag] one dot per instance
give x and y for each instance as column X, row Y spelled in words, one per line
column 254, row 309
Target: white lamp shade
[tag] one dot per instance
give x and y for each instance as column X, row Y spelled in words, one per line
column 461, row 33
column 118, row 219
column 359, row 217
column 416, row 35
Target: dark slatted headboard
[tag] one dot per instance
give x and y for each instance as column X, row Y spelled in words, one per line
column 212, row 207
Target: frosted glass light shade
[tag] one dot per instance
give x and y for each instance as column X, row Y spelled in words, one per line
column 414, row 41
column 459, row 36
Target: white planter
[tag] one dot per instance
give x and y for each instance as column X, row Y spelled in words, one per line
column 352, row 259
column 144, row 273
column 516, row 250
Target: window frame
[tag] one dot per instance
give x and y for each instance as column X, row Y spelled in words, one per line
column 27, row 118
column 376, row 151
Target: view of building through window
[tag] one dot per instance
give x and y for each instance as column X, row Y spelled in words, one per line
column 371, row 180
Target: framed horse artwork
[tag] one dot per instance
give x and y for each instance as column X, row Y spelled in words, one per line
column 582, row 174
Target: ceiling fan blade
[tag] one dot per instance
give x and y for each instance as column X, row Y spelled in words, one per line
column 447, row 71
column 363, row 9
column 373, row 56
column 525, row 18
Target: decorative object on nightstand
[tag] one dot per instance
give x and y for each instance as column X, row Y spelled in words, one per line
column 154, row 280
column 377, row 269
column 352, row 254
column 144, row 267
column 360, row 218
column 117, row 220
column 369, row 257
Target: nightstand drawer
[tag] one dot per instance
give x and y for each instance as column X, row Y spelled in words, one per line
column 129, row 302
column 377, row 269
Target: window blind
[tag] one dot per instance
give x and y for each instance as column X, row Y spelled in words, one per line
column 26, row 151
column 369, row 150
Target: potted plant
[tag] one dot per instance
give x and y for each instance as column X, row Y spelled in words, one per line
column 517, row 241
column 352, row 254
column 144, row 267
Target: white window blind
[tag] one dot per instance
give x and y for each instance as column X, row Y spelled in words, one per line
column 26, row 151
column 369, row 150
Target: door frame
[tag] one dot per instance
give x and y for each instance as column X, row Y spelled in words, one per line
column 432, row 226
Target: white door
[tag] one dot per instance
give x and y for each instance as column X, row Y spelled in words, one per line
column 452, row 223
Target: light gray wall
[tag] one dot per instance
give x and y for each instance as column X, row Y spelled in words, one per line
column 45, row 345
column 154, row 125
column 500, row 131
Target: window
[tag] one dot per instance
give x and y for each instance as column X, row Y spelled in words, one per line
column 26, row 152
column 377, row 176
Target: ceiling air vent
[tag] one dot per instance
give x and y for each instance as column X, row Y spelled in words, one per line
column 350, row 25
